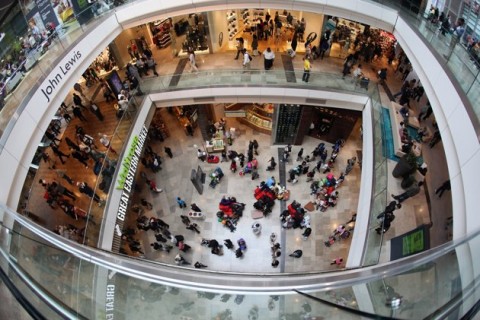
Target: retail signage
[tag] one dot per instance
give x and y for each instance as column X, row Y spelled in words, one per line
column 110, row 302
column 46, row 12
column 129, row 167
column 62, row 70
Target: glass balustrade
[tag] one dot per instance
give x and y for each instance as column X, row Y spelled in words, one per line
column 78, row 282
column 222, row 78
column 453, row 53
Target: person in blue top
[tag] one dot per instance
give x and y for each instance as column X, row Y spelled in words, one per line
column 181, row 203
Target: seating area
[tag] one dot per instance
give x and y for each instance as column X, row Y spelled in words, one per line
column 396, row 118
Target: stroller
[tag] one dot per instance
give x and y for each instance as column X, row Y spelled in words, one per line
column 216, row 176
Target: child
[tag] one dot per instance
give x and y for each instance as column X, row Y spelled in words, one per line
column 181, row 203
column 337, row 261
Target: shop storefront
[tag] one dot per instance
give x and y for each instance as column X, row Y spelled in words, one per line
column 271, row 27
column 349, row 37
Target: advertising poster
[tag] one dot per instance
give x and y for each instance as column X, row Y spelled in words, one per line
column 63, row 10
column 46, row 12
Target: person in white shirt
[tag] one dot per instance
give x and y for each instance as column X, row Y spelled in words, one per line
column 106, row 142
column 122, row 101
column 269, row 57
column 193, row 64
column 246, row 60
column 357, row 73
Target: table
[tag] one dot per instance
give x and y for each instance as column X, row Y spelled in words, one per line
column 215, row 145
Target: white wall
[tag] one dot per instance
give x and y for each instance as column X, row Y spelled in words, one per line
column 217, row 22
column 459, row 141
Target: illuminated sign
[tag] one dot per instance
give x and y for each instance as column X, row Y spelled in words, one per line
column 129, row 168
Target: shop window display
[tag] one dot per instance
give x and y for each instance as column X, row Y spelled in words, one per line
column 349, row 37
column 161, row 32
column 195, row 29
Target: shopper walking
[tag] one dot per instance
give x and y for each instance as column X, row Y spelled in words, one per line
column 246, row 60
column 181, row 203
column 444, row 187
column 193, row 63
column 306, row 70
column 58, row 153
column 240, row 43
column 78, row 101
column 268, row 58
column 77, row 112
column 168, row 151
column 255, row 45
column 84, row 188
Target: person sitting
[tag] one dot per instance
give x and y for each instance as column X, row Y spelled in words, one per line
column 202, row 155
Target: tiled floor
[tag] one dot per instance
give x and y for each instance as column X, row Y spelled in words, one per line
column 174, row 179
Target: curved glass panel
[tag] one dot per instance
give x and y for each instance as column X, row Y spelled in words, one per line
column 431, row 284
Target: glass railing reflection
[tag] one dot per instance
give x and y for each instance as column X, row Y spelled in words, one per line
column 38, row 60
column 433, row 284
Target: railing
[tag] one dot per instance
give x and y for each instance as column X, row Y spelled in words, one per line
column 78, row 282
column 453, row 52
column 225, row 78
column 380, row 182
column 41, row 62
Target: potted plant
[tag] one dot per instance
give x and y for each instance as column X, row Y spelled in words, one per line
column 406, row 166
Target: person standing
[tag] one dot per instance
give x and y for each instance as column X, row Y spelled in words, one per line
column 255, row 147
column 80, row 157
column 357, row 73
column 77, row 112
column 52, row 137
column 410, row 192
column 269, row 57
column 58, row 153
column 306, row 69
column 300, row 155
column 107, row 93
column 181, row 203
column 96, row 111
column 189, row 129
column 240, row 49
column 246, row 60
column 84, row 188
column 444, row 187
column 78, row 101
column 193, row 64
column 133, row 71
column 255, row 45
column 106, row 142
column 77, row 87
column 151, row 64
column 168, row 151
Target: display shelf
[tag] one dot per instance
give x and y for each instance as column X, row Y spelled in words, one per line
column 259, row 118
column 161, row 33
column 232, row 24
column 159, row 124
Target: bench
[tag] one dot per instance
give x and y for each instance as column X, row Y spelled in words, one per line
column 395, row 119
